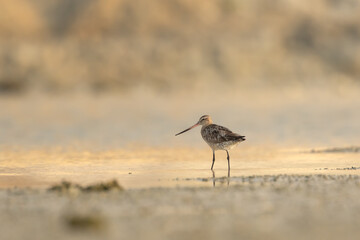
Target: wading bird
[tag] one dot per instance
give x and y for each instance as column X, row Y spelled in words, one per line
column 217, row 137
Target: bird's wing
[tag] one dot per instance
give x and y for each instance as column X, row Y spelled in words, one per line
column 217, row 134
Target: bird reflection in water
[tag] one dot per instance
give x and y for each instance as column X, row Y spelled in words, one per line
column 225, row 178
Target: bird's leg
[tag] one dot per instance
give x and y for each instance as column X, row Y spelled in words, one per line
column 213, row 160
column 228, row 158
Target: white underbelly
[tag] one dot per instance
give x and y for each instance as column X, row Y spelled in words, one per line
column 223, row 145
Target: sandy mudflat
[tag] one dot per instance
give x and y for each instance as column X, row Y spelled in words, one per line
column 171, row 193
column 262, row 207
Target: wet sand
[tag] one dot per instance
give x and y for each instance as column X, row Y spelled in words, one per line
column 171, row 193
column 262, row 207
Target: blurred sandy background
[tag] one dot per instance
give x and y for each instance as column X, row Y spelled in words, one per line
column 119, row 71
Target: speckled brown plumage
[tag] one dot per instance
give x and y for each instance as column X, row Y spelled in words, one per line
column 219, row 137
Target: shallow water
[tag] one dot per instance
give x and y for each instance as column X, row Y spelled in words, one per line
column 130, row 136
column 163, row 167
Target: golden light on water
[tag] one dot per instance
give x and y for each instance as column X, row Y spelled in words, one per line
column 140, row 167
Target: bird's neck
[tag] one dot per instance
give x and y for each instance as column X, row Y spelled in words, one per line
column 205, row 125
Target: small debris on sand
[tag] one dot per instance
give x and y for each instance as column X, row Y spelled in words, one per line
column 348, row 168
column 352, row 149
column 342, row 169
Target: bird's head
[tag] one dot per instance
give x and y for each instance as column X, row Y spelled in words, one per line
column 203, row 121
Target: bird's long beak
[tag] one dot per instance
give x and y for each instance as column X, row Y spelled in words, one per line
column 188, row 129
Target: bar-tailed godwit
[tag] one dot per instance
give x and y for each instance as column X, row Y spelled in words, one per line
column 217, row 137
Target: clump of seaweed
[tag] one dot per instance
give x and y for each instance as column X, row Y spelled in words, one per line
column 103, row 187
column 65, row 187
column 84, row 222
